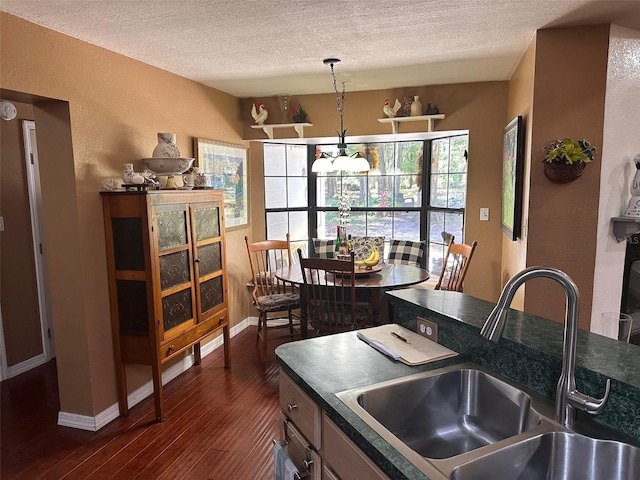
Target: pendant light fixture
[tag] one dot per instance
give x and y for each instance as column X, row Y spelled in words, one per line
column 349, row 163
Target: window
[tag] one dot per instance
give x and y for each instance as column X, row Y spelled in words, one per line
column 385, row 202
column 395, row 199
column 286, row 191
column 447, row 196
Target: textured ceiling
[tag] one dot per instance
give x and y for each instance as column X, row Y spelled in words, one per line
column 255, row 48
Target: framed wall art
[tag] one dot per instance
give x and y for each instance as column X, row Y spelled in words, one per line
column 223, row 166
column 512, row 173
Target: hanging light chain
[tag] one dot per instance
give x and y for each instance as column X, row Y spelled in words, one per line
column 339, row 97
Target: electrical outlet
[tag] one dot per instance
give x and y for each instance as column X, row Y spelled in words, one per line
column 428, row 329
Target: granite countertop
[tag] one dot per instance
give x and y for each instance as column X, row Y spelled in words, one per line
column 324, row 366
column 529, row 353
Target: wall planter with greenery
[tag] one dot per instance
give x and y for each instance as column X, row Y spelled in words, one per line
column 565, row 160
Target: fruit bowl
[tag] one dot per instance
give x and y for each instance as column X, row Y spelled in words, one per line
column 168, row 166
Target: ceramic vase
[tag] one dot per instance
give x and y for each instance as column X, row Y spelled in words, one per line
column 166, row 147
column 416, row 107
column 188, row 179
column 130, row 177
column 284, row 102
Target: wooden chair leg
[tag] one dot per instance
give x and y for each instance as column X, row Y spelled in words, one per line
column 291, row 323
column 264, row 335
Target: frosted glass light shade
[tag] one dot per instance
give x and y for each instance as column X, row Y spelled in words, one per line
column 354, row 163
column 323, row 164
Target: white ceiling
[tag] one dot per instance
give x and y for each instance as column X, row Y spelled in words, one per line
column 256, row 48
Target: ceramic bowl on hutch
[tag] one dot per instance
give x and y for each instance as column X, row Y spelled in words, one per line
column 168, row 166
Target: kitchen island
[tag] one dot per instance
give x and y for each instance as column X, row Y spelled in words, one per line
column 529, row 353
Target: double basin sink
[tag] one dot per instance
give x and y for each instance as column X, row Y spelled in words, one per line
column 464, row 423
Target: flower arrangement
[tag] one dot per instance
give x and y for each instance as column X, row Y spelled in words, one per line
column 566, row 159
column 569, row 152
column 299, row 114
column 383, row 199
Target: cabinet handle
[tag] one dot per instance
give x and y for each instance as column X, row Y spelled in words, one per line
column 308, row 464
column 170, row 349
column 197, row 260
column 291, row 406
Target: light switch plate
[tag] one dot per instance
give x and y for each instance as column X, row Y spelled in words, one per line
column 428, row 329
column 484, row 214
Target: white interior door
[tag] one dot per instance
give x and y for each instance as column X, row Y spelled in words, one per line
column 35, row 206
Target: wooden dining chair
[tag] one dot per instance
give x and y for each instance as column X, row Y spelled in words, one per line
column 271, row 295
column 330, row 292
column 455, row 265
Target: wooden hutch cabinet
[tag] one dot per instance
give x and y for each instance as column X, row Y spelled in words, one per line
column 167, row 278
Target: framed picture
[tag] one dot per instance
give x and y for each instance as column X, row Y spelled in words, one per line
column 512, row 166
column 225, row 168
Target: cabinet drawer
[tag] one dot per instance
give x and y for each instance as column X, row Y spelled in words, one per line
column 175, row 345
column 301, row 453
column 301, row 410
column 344, row 457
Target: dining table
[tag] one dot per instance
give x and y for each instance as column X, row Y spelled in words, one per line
column 370, row 285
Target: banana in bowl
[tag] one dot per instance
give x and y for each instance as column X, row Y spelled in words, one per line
column 371, row 261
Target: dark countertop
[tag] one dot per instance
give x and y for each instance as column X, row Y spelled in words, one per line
column 324, row 366
column 529, row 353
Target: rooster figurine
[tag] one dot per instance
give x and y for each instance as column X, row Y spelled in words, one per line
column 260, row 114
column 391, row 111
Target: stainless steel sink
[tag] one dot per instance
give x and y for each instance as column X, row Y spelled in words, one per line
column 556, row 455
column 446, row 414
column 464, row 423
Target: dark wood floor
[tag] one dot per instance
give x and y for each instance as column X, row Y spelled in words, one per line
column 219, row 426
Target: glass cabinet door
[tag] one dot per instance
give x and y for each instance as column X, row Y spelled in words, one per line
column 175, row 266
column 206, row 225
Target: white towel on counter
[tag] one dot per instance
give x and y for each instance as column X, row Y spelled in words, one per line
column 283, row 467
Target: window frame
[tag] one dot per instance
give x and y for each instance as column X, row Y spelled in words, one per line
column 423, row 207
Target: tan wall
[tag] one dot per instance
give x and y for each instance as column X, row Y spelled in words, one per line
column 115, row 107
column 480, row 108
column 18, row 290
column 569, row 95
column 514, row 253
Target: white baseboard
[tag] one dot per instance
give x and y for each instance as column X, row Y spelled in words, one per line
column 93, row 424
column 18, row 368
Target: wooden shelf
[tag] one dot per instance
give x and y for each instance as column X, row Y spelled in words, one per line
column 624, row 227
column 429, row 119
column 298, row 127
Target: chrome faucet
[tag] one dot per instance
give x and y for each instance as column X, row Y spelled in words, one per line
column 568, row 398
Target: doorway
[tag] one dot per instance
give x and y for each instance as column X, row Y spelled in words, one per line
column 27, row 336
